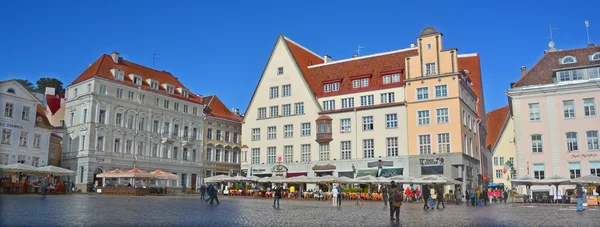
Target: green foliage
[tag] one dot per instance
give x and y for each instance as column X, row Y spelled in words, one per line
column 42, row 83
column 27, row 84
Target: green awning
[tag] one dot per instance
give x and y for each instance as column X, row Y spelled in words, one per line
column 367, row 172
column 391, row 172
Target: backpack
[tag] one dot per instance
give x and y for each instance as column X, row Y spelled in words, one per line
column 576, row 192
column 398, row 197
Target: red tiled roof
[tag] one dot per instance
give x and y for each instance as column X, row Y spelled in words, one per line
column 344, row 72
column 216, row 108
column 53, row 102
column 244, row 146
column 473, row 65
column 542, row 72
column 303, row 58
column 104, row 64
column 495, row 122
column 45, row 123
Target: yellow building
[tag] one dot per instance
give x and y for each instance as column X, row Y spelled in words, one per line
column 443, row 96
column 55, row 150
column 222, row 139
column 501, row 141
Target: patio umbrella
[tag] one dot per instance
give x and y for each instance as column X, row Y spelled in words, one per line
column 300, row 179
column 162, row 175
column 56, row 171
column 527, row 181
column 137, row 173
column 240, row 179
column 275, row 179
column 556, row 181
column 401, row 179
column 19, row 168
column 115, row 173
column 589, row 179
column 214, row 179
column 435, row 179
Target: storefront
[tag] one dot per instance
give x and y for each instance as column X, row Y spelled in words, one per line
column 457, row 166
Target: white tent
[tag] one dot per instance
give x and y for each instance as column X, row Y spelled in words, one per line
column 56, row 171
column 589, row 179
column 214, row 179
column 19, row 168
column 275, row 179
column 401, row 179
column 435, row 179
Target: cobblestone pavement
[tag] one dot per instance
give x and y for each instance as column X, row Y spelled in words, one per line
column 95, row 210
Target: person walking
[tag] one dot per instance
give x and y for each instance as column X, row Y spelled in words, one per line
column 579, row 194
column 439, row 195
column 45, row 185
column 202, row 191
column 334, row 195
column 458, row 195
column 396, row 204
column 384, row 196
column 391, row 195
column 339, row 199
column 467, row 197
column 426, row 196
column 276, row 197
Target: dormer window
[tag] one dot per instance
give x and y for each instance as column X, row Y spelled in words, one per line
column 169, row 88
column 183, row 91
column 154, row 85
column 568, row 60
column 394, row 78
column 332, row 87
column 118, row 74
column 595, row 57
column 137, row 79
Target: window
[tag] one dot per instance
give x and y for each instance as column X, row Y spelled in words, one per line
column 335, row 86
column 568, row 60
column 128, row 146
column 166, row 104
column 280, row 71
column 84, row 117
column 75, row 93
column 441, row 91
column 364, row 82
column 154, row 85
column 443, row 141
column 37, row 138
column 227, row 153
column 299, row 108
column 387, row 79
column 170, row 89
column 227, row 137
column 594, row 73
column 305, row 129
column 176, row 106
column 130, row 95
column 155, row 125
column 217, row 155
column 392, row 146
column 130, row 121
column 589, row 107
column 502, row 161
column 595, row 57
column 175, row 149
column 387, row 97
column 235, row 137
column 274, row 92
column 272, row 133
column 287, row 90
column 185, row 108
column 209, row 133
column 496, row 161
column 499, row 174
column 271, row 154
column 595, row 168
column 140, row 148
column 395, row 77
column 156, row 102
column 391, row 121
column 25, row 114
column 592, row 140
column 117, row 145
column 119, row 93
column 430, row 68
column 262, row 113
column 72, row 118
column 347, row 103
column 423, row 117
column 422, row 93
column 6, row 136
column 142, row 124
column 367, row 100
column 255, row 134
column 12, row 91
column 288, row 154
column 102, row 89
column 368, row 148
column 176, row 130
column 442, row 115
column 274, row 111
column 538, row 171
column 575, row 169
column 234, row 154
column 572, row 141
column 577, row 74
column 155, row 150
column 23, row 139
column 424, row 144
column 305, row 153
column 534, row 111
column 569, row 108
column 102, row 117
column 218, row 134
column 355, row 83
column 165, row 152
column 288, row 131
column 255, row 156
column 368, row 123
column 8, row 109
column 327, row 87
column 346, row 150
column 536, row 143
column 209, row 154
column 329, row 105
column 287, row 109
column 345, row 125
column 464, row 114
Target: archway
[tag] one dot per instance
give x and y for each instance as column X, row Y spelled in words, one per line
column 96, row 172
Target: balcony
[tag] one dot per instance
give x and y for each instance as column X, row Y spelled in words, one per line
column 324, row 138
column 188, row 141
column 168, row 137
column 324, row 129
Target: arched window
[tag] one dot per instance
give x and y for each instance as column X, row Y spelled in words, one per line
column 568, row 60
column 10, row 90
column 595, row 56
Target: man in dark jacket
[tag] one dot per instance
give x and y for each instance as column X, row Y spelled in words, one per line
column 426, row 196
column 579, row 193
column 276, row 197
column 202, row 191
column 439, row 195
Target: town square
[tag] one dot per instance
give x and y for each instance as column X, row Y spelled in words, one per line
column 314, row 113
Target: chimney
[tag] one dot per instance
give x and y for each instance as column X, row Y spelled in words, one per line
column 523, row 70
column 354, row 55
column 115, row 57
column 413, row 45
column 50, row 91
column 327, row 58
column 235, row 111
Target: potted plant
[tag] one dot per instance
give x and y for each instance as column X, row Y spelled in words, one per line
column 519, row 198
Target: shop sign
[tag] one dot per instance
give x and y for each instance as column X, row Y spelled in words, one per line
column 323, row 167
column 258, row 170
column 380, row 164
column 279, row 168
column 584, row 155
column 432, row 161
column 2, row 124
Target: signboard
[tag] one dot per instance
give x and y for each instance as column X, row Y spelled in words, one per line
column 391, row 172
column 279, row 168
column 323, row 167
column 431, row 161
column 584, row 156
column 9, row 125
column 258, row 170
column 432, row 170
column 380, row 164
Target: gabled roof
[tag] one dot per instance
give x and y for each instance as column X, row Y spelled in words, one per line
column 542, row 72
column 215, row 108
column 44, row 123
column 496, row 119
column 102, row 67
column 471, row 63
column 345, row 71
column 16, row 83
column 304, row 58
column 53, row 102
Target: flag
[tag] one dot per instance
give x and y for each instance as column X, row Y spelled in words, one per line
column 507, row 166
column 587, row 24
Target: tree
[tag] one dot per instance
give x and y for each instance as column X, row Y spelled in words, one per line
column 27, row 84
column 42, row 83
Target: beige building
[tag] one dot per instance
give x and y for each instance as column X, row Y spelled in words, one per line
column 501, row 141
column 222, row 138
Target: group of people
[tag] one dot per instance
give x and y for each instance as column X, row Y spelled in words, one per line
column 480, row 197
column 212, row 192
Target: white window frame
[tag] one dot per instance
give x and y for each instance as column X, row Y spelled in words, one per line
column 271, row 132
column 422, row 93
column 305, row 153
column 368, row 123
column 423, row 118
column 443, row 92
column 324, row 152
column 288, row 131
column 306, row 129
column 444, row 142
column 299, row 108
column 286, row 109
column 592, row 140
column 37, row 140
column 430, row 69
column 534, row 111
column 288, row 154
column 345, row 125
column 392, row 146
column 387, row 79
column 368, row 148
column 348, row 103
column 443, row 118
column 346, row 150
column 391, row 120
column 424, row 143
column 388, row 97
column 329, row 105
column 255, row 156
column 262, row 113
column 335, row 86
column 364, row 82
column 572, row 142
column 569, row 109
column 568, row 60
column 355, row 83
column 537, row 146
column 274, row 92
column 274, row 111
column 589, row 107
column 367, row 100
column 25, row 113
column 395, row 77
column 279, row 70
column 286, row 90
column 327, row 87
column 256, row 134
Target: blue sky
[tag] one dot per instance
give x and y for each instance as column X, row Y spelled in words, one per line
column 222, row 48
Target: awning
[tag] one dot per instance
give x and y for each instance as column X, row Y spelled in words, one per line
column 288, row 175
column 391, row 172
column 367, row 172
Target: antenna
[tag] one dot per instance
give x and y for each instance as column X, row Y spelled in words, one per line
column 551, row 37
column 587, row 29
column 358, row 50
column 154, row 60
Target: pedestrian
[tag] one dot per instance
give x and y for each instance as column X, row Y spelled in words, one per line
column 458, row 195
column 276, row 197
column 391, row 195
column 45, row 185
column 395, row 206
column 334, row 196
column 339, row 199
column 408, row 194
column 505, row 195
column 439, row 194
column 212, row 193
column 426, row 195
column 579, row 194
column 202, row 191
column 418, row 194
column 384, row 196
column 467, row 197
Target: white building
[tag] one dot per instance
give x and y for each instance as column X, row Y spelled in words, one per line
column 25, row 128
column 313, row 116
column 123, row 115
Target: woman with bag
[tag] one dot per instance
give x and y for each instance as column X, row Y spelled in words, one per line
column 396, row 204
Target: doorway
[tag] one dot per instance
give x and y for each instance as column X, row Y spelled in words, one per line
column 194, row 176
column 96, row 172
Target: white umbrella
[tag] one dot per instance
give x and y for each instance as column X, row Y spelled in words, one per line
column 370, row 180
column 526, row 180
column 18, row 167
column 401, row 179
column 57, row 171
column 435, row 179
column 275, row 179
column 330, row 179
column 240, row 179
column 555, row 180
column 218, row 178
column 299, row 179
column 589, row 179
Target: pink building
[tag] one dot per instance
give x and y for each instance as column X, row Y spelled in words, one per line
column 556, row 117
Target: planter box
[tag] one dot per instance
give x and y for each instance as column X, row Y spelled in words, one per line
column 519, row 200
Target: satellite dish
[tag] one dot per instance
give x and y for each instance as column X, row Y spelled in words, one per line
column 551, row 44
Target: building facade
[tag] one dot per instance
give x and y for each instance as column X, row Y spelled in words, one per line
column 123, row 115
column 54, row 152
column 25, row 136
column 554, row 106
column 443, row 102
column 501, row 141
column 222, row 138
